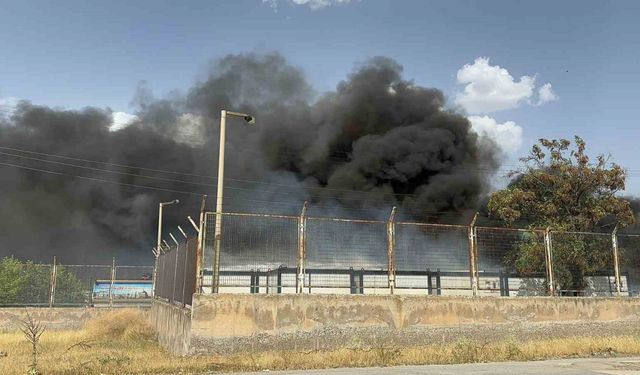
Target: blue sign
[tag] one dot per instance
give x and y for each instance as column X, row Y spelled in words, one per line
column 130, row 289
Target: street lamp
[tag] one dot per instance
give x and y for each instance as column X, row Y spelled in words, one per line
column 159, row 243
column 218, row 228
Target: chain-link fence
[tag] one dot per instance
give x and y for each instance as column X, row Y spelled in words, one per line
column 511, row 261
column 59, row 285
column 629, row 263
column 435, row 257
column 261, row 253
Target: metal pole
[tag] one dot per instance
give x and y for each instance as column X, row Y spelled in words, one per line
column 549, row 260
column 159, row 242
column 391, row 252
column 219, row 196
column 113, row 279
column 473, row 261
column 175, row 267
column 302, row 223
column 200, row 247
column 52, row 293
column 184, row 273
column 616, row 260
column 156, row 254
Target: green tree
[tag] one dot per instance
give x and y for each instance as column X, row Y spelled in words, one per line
column 561, row 188
column 27, row 283
column 69, row 289
column 11, row 280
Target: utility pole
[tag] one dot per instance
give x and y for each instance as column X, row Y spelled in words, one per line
column 219, row 195
column 200, row 246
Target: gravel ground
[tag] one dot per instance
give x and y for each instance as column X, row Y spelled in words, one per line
column 333, row 337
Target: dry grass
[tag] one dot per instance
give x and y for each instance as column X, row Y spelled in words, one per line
column 122, row 343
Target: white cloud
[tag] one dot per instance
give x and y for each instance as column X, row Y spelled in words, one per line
column 312, row 4
column 489, row 88
column 8, row 105
column 546, row 94
column 121, row 120
column 507, row 135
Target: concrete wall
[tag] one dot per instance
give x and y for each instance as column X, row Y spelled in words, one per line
column 227, row 315
column 231, row 323
column 173, row 325
column 53, row 318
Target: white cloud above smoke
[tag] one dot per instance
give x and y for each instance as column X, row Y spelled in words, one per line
column 508, row 135
column 8, row 105
column 489, row 88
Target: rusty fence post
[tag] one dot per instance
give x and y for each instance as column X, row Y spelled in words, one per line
column 184, row 273
column 113, row 280
column 156, row 255
column 52, row 292
column 184, row 269
column 200, row 228
column 616, row 260
column 548, row 253
column 473, row 252
column 391, row 251
column 302, row 241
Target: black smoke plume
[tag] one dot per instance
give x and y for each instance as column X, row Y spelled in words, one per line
column 378, row 140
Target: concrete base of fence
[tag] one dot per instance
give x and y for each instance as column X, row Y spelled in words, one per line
column 228, row 323
column 173, row 325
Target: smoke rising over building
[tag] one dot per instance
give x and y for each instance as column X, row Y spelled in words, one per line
column 378, row 140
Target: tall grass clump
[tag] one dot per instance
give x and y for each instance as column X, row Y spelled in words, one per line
column 128, row 325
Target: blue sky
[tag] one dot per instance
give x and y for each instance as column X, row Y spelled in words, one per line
column 78, row 53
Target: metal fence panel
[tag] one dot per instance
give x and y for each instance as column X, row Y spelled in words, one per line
column 189, row 282
column 629, row 255
column 166, row 275
column 430, row 249
column 344, row 245
column 511, row 261
column 74, row 284
column 253, row 243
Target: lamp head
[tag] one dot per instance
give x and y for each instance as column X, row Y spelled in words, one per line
column 250, row 119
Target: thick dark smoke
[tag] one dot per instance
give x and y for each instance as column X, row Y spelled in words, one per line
column 390, row 140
